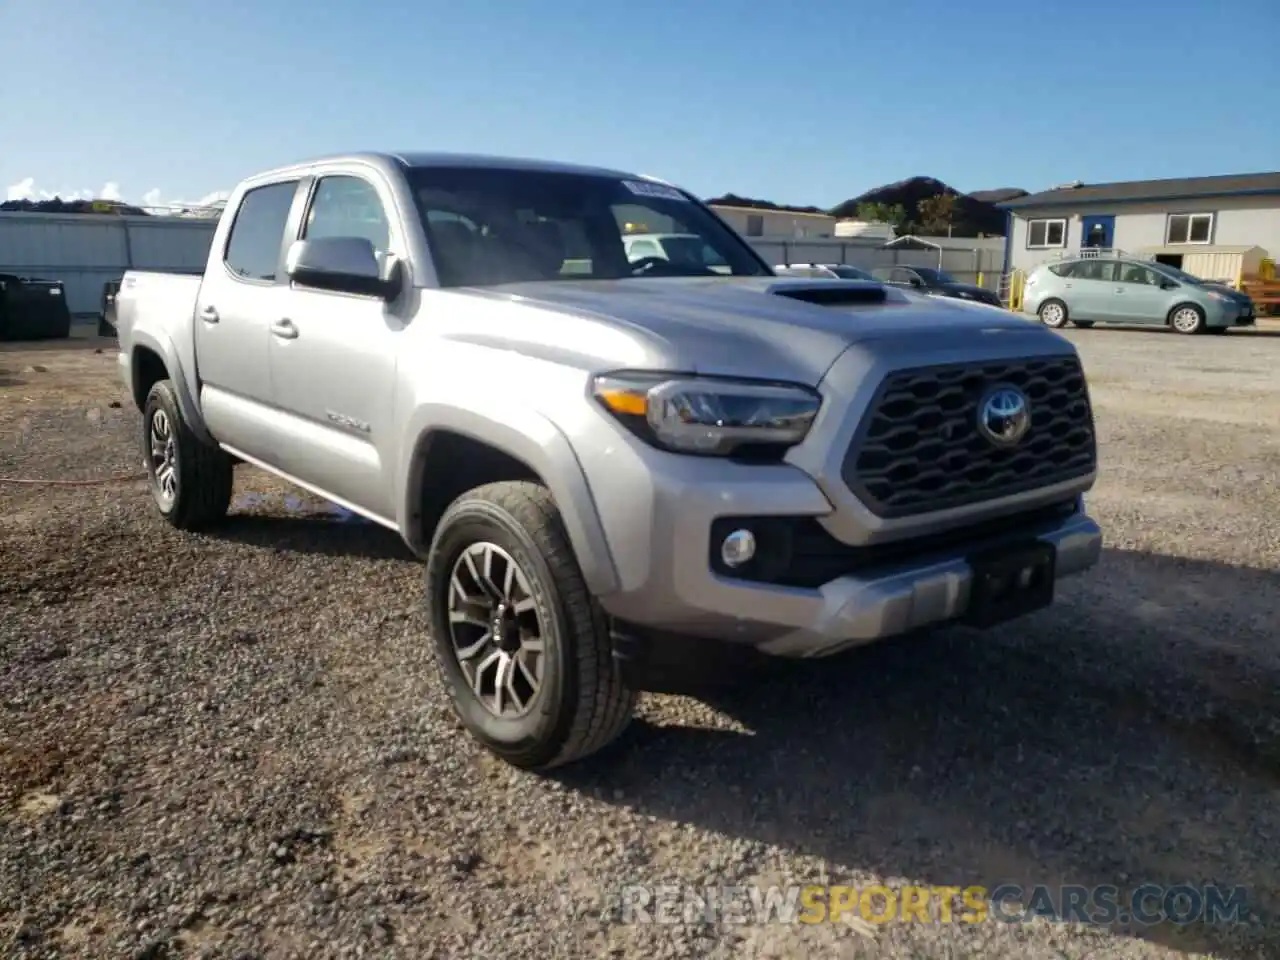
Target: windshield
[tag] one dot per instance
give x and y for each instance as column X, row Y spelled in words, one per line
column 490, row 225
column 1180, row 275
column 929, row 275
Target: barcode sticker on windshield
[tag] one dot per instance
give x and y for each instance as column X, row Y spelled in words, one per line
column 645, row 189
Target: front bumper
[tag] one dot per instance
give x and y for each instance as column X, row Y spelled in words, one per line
column 883, row 601
column 853, row 610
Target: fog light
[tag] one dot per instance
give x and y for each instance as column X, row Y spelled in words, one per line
column 738, row 548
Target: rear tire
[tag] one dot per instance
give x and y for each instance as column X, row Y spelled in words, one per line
column 190, row 480
column 1187, row 318
column 1053, row 314
column 523, row 649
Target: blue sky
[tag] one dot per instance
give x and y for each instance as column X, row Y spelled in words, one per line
column 806, row 104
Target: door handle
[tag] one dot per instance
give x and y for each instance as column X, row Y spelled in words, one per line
column 284, row 329
column 209, row 315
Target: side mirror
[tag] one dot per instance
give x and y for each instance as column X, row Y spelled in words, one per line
column 341, row 264
column 916, row 282
column 1168, row 285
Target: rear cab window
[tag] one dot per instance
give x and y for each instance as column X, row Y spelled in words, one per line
column 254, row 248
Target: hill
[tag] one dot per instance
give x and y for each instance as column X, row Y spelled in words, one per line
column 733, row 200
column 972, row 213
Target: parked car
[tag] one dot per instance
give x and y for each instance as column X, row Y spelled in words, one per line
column 615, row 474
column 936, row 283
column 1119, row 289
column 675, row 248
column 833, row 271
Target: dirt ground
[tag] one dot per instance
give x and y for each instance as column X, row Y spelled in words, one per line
column 235, row 744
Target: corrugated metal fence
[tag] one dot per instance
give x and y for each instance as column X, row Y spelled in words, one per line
column 85, row 251
column 981, row 265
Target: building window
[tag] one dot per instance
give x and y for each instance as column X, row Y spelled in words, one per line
column 1045, row 234
column 1189, row 228
column 755, row 225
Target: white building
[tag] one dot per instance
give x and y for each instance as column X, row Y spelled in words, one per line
column 870, row 229
column 756, row 222
column 1211, row 220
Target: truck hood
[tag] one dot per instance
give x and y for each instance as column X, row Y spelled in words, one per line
column 763, row 326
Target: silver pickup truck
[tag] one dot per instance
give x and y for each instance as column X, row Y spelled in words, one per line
column 609, row 464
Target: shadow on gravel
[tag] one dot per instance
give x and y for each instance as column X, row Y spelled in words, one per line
column 8, row 379
column 1028, row 755
column 319, row 534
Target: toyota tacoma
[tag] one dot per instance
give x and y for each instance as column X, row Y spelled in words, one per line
column 607, row 464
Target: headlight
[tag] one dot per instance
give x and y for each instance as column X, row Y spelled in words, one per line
column 709, row 416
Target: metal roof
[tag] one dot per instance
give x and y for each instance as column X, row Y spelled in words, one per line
column 1183, row 188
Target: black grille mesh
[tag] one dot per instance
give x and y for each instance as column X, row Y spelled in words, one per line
column 920, row 450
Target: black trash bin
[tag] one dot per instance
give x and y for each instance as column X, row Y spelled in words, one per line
column 32, row 309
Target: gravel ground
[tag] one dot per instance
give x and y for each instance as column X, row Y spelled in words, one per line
column 235, row 745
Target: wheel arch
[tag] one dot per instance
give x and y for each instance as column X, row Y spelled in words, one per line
column 450, row 450
column 153, row 358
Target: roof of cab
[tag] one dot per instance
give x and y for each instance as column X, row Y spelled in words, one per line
column 411, row 159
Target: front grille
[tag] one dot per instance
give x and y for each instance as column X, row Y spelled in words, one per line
column 919, row 449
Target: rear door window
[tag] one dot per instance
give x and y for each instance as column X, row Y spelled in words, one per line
column 257, row 235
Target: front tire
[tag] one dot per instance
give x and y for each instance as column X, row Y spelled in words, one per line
column 523, row 649
column 190, row 480
column 1187, row 318
column 1053, row 313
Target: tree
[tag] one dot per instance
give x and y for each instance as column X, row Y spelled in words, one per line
column 883, row 213
column 937, row 213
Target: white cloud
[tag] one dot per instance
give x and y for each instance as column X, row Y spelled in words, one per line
column 26, row 189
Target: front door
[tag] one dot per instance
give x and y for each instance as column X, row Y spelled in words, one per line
column 1098, row 232
column 333, row 363
column 1139, row 296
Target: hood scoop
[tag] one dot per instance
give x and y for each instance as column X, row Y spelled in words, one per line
column 832, row 293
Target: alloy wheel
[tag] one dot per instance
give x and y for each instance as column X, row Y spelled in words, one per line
column 495, row 630
column 1186, row 320
column 1052, row 314
column 164, row 457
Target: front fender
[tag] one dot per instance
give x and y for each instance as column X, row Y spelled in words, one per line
column 534, row 440
column 163, row 346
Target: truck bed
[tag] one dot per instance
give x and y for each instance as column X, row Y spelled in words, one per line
column 165, row 300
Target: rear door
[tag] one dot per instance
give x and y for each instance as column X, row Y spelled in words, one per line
column 1089, row 290
column 239, row 294
column 333, row 358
